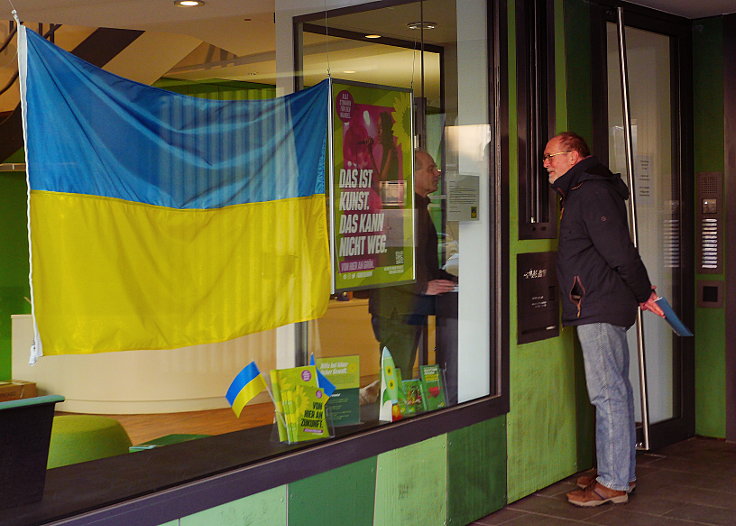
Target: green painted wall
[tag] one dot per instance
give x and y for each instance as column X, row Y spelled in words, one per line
column 314, row 500
column 267, row 508
column 14, row 267
column 710, row 357
column 454, row 478
column 411, row 485
column 476, row 471
column 550, row 423
column 578, row 68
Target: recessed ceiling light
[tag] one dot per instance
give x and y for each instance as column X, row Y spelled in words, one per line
column 188, row 3
column 349, row 71
column 421, row 25
column 372, row 36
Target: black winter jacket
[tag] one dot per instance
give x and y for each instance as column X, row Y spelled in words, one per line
column 601, row 276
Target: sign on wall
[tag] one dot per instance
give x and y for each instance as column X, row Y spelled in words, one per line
column 372, row 188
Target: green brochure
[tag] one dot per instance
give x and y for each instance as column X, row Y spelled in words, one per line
column 344, row 372
column 301, row 403
column 433, row 389
column 413, row 396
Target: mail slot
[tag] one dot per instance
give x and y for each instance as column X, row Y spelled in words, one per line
column 538, row 303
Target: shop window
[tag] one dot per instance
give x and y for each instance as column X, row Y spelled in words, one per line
column 420, row 51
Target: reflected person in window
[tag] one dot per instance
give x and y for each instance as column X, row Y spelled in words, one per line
column 398, row 314
column 603, row 281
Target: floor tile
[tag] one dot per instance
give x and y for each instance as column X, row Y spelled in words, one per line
column 500, row 517
column 706, row 514
column 618, row 516
column 652, row 504
column 560, row 488
column 701, row 496
column 531, row 519
column 686, row 484
column 646, row 459
column 660, row 477
column 555, row 506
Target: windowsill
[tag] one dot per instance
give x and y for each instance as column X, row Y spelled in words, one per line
column 204, row 473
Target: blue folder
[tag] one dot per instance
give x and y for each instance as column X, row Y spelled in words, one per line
column 677, row 326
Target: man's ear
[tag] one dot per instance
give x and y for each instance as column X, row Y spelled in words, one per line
column 575, row 157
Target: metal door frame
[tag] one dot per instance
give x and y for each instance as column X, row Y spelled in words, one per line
column 682, row 425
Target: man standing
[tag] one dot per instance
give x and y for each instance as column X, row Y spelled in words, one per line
column 603, row 282
column 398, row 314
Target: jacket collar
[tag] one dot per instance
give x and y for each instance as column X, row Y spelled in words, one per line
column 421, row 201
column 570, row 178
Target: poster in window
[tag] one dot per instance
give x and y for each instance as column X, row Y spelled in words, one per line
column 372, row 187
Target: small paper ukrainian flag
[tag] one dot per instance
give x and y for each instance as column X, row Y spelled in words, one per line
column 245, row 387
column 322, row 381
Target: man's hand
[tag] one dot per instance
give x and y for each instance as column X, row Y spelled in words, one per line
column 651, row 304
column 439, row 286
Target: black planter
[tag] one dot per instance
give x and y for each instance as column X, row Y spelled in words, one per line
column 25, row 432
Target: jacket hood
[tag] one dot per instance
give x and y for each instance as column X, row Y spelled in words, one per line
column 590, row 169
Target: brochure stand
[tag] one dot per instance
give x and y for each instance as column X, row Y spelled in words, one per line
column 280, row 433
column 300, row 405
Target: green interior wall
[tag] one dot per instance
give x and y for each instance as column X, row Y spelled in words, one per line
column 14, row 266
column 550, row 422
column 708, row 132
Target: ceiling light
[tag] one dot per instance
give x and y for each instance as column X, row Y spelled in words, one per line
column 421, row 25
column 349, row 71
column 188, row 3
column 372, row 36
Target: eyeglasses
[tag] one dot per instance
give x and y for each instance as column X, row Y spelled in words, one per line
column 546, row 157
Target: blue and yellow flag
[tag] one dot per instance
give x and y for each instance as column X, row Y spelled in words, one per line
column 159, row 220
column 322, row 381
column 245, row 387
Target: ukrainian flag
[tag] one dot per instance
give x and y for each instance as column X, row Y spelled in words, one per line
column 159, row 220
column 245, row 387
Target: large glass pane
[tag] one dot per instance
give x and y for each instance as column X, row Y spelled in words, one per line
column 444, row 68
column 657, row 211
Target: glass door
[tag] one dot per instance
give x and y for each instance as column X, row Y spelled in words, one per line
column 657, row 168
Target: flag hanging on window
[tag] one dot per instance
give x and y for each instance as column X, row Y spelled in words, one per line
column 159, row 220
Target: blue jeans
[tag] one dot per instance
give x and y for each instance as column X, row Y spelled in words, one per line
column 606, row 357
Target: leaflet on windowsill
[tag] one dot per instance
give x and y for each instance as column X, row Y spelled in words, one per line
column 677, row 326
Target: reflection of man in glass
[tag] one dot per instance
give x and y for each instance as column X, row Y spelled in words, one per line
column 398, row 314
column 388, row 169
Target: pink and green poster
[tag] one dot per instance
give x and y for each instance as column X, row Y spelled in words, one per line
column 372, row 198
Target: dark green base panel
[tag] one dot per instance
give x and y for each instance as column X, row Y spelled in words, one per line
column 477, row 471
column 341, row 496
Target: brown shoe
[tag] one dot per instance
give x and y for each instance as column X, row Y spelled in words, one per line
column 595, row 495
column 583, row 481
